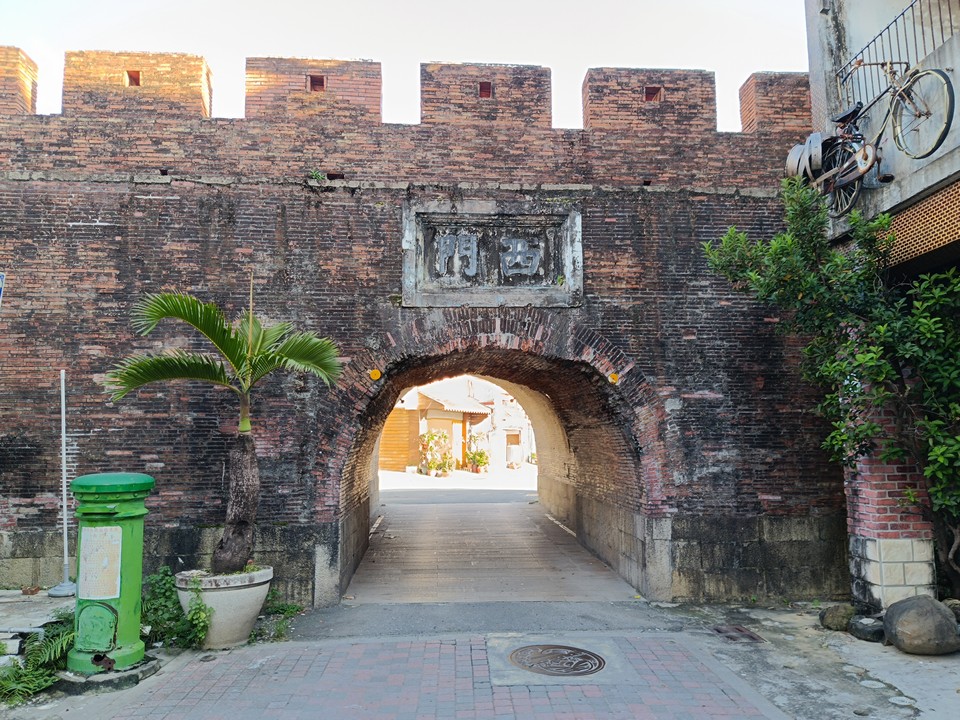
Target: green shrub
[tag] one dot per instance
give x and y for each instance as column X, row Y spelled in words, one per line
column 162, row 613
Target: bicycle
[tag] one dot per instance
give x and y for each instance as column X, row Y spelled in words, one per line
column 921, row 112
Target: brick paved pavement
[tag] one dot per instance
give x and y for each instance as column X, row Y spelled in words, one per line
column 668, row 677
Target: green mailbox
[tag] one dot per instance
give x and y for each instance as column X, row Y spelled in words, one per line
column 110, row 512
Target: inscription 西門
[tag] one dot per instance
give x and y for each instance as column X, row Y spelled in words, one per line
column 480, row 255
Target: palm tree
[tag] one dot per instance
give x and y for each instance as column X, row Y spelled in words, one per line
column 246, row 352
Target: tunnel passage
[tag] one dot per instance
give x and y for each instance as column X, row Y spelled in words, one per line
column 586, row 458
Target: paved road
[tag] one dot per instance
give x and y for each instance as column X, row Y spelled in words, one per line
column 432, row 618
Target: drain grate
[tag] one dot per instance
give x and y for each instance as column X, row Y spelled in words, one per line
column 737, row 633
column 557, row 660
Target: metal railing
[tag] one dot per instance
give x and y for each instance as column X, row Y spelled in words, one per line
column 916, row 32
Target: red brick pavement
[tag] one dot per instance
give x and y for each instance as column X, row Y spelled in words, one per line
column 426, row 679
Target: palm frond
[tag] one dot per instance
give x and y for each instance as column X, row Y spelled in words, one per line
column 274, row 335
column 265, row 338
column 138, row 370
column 207, row 318
column 305, row 352
column 263, row 365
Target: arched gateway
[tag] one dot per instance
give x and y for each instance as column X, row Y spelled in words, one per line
column 565, row 265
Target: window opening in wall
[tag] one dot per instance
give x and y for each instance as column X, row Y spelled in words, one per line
column 132, row 78
column 486, row 89
column 653, row 93
column 317, row 83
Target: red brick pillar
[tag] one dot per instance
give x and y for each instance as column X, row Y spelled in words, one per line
column 891, row 544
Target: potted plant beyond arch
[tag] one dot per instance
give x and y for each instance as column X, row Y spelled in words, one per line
column 245, row 353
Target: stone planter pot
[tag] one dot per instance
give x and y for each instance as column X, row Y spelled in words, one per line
column 235, row 599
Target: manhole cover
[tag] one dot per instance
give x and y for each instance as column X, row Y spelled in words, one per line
column 737, row 633
column 557, row 660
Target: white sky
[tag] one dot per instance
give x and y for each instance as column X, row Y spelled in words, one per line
column 730, row 37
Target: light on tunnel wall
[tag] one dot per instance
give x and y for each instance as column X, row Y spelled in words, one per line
column 613, row 378
column 375, row 374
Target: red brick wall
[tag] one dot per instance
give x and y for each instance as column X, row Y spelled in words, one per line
column 281, row 87
column 513, row 94
column 18, row 82
column 775, row 101
column 662, row 103
column 103, row 83
column 98, row 206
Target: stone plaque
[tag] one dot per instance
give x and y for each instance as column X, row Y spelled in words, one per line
column 99, row 563
column 467, row 257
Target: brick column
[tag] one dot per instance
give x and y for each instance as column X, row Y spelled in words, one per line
column 891, row 544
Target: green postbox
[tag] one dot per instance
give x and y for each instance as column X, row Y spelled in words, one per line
column 110, row 512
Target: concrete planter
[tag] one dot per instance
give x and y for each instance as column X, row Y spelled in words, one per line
column 235, row 599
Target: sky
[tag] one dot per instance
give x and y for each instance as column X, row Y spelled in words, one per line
column 732, row 38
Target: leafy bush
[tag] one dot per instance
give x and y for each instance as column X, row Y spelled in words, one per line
column 161, row 611
column 885, row 350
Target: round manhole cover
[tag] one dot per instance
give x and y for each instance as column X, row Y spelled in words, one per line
column 557, row 660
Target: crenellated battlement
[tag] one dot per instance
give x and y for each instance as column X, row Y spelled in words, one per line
column 339, row 92
column 289, row 87
column 645, row 100
column 775, row 101
column 149, row 114
column 499, row 94
column 18, row 82
column 163, row 83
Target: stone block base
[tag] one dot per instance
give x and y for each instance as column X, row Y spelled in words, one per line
column 719, row 557
column 885, row 570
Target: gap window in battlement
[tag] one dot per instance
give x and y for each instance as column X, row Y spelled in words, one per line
column 653, row 93
column 132, row 78
column 317, row 83
column 486, row 89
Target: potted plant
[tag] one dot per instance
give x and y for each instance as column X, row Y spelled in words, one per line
column 244, row 353
column 433, row 447
column 478, row 460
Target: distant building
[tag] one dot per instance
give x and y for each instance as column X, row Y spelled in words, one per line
column 470, row 411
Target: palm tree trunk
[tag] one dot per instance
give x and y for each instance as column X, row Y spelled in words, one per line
column 236, row 546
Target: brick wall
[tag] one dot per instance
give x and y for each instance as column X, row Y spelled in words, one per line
column 775, row 101
column 705, row 421
column 18, row 82
column 496, row 94
column 281, row 87
column 107, row 83
column 661, row 102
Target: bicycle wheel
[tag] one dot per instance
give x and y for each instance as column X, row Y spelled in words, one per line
column 840, row 200
column 922, row 113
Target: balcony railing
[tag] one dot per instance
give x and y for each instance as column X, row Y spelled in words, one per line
column 916, row 32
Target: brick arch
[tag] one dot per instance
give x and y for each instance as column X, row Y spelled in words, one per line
column 601, row 434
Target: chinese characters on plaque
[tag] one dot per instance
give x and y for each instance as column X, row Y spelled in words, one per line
column 454, row 259
column 457, row 255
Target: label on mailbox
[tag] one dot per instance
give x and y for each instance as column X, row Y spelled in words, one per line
column 99, row 566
